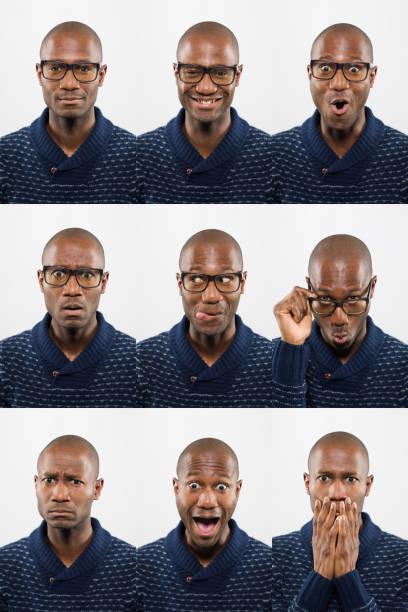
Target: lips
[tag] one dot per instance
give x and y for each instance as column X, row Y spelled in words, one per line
column 205, row 102
column 339, row 105
column 206, row 526
column 340, row 338
column 207, row 316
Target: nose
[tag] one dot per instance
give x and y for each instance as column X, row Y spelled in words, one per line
column 337, row 490
column 207, row 499
column 339, row 317
column 69, row 81
column 206, row 86
column 339, row 81
column 211, row 294
column 60, row 492
column 72, row 287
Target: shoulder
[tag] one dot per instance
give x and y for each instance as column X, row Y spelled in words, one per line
column 17, row 138
column 288, row 136
column 124, row 340
column 286, row 543
column 393, row 546
column 258, row 550
column 154, row 343
column 14, row 551
column 152, row 553
column 394, row 348
column 17, row 341
column 122, row 551
column 393, row 137
column 153, row 136
column 124, row 136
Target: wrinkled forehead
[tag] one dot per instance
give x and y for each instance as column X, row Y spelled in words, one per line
column 71, row 47
column 214, row 256
column 342, row 46
column 73, row 252
column 340, row 273
column 208, row 50
column 209, row 463
column 65, row 460
column 338, row 458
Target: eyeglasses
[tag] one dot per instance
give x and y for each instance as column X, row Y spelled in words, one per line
column 84, row 72
column 352, row 71
column 219, row 75
column 225, row 283
column 58, row 276
column 353, row 305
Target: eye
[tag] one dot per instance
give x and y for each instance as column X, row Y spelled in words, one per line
column 87, row 274
column 351, row 479
column 325, row 68
column 221, row 486
column 354, row 69
column 58, row 273
column 323, row 478
column 324, row 298
column 84, row 68
column 193, row 485
column 197, row 279
column 48, row 479
column 225, row 280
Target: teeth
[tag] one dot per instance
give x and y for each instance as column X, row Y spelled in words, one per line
column 205, row 101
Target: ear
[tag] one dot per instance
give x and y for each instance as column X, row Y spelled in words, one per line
column 98, row 488
column 176, row 488
column 373, row 284
column 373, row 74
column 179, row 283
column 306, row 479
column 238, row 488
column 39, row 75
column 243, row 281
column 40, row 276
column 238, row 75
column 309, row 284
column 105, row 278
column 309, row 72
column 36, row 479
column 369, row 483
column 102, row 74
column 175, row 70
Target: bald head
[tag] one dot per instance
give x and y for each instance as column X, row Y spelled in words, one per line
column 75, row 443
column 343, row 29
column 339, row 439
column 343, row 248
column 73, row 29
column 210, row 30
column 75, row 234
column 207, row 446
column 211, row 237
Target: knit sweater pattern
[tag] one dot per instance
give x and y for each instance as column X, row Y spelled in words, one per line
column 35, row 170
column 35, row 373
column 34, row 579
column 374, row 170
column 171, row 171
column 378, row 584
column 169, row 577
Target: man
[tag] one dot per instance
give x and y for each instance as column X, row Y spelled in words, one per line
column 71, row 154
column 207, row 562
column 70, row 562
column 207, row 154
column 352, row 362
column 343, row 153
column 73, row 357
column 340, row 560
column 210, row 358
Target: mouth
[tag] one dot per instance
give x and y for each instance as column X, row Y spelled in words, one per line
column 205, row 102
column 206, row 526
column 72, row 309
column 340, row 338
column 207, row 316
column 60, row 512
column 70, row 100
column 340, row 106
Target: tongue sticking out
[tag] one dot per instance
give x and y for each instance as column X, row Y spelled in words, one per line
column 206, row 527
column 204, row 315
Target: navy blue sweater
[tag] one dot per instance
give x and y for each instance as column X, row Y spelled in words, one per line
column 374, row 170
column 379, row 582
column 34, row 579
column 171, row 374
column 375, row 376
column 171, row 171
column 35, row 373
column 170, row 578
column 34, row 170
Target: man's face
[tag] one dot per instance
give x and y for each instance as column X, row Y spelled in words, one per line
column 339, row 280
column 341, row 102
column 66, row 486
column 211, row 312
column 207, row 492
column 72, row 306
column 338, row 471
column 68, row 98
column 206, row 102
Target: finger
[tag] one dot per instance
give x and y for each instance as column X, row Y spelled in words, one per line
column 349, row 513
column 333, row 534
column 342, row 508
column 341, row 524
column 355, row 517
column 303, row 304
column 331, row 517
column 306, row 292
column 325, row 510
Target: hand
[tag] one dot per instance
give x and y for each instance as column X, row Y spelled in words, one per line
column 325, row 529
column 294, row 316
column 348, row 542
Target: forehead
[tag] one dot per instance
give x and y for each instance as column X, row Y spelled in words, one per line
column 208, row 50
column 71, row 47
column 73, row 252
column 334, row 457
column 339, row 274
column 342, row 46
column 207, row 464
column 61, row 459
column 211, row 257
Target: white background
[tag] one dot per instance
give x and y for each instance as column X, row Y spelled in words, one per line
column 382, row 431
column 140, row 39
column 142, row 246
column 138, row 451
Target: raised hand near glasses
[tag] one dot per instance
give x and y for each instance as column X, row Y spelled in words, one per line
column 294, row 315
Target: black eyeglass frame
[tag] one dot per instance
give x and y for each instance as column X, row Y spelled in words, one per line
column 69, row 67
column 73, row 273
column 211, row 278
column 207, row 70
column 368, row 65
column 339, row 304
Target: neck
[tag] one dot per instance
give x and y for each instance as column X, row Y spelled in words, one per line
column 70, row 133
column 73, row 341
column 210, row 348
column 340, row 141
column 205, row 137
column 204, row 557
column 69, row 544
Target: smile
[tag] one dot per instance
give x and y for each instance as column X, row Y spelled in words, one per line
column 206, row 101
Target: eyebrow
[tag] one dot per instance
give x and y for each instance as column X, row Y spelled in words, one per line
column 328, row 473
column 216, row 474
column 331, row 57
column 352, row 290
column 56, row 475
column 200, row 268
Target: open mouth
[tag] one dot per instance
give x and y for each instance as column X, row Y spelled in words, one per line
column 206, row 526
column 340, row 106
